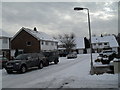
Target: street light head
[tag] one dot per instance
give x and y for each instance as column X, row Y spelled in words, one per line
column 78, row 8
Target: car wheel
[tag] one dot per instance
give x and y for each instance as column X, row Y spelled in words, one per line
column 23, row 69
column 111, row 57
column 47, row 63
column 40, row 65
column 56, row 61
column 114, row 54
column 9, row 72
column 105, row 55
column 68, row 58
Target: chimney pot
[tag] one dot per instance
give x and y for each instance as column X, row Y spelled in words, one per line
column 35, row 29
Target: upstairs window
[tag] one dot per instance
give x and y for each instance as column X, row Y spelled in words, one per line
column 105, row 44
column 52, row 43
column 46, row 43
column 29, row 43
column 94, row 44
column 5, row 41
column 100, row 44
column 56, row 43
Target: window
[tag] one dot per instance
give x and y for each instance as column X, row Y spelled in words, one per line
column 105, row 43
column 22, row 57
column 52, row 43
column 100, row 44
column 46, row 43
column 29, row 43
column 56, row 43
column 5, row 40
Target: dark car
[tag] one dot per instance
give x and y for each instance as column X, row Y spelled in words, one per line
column 3, row 61
column 63, row 54
column 51, row 56
column 23, row 62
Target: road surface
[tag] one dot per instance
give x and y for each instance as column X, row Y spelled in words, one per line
column 71, row 73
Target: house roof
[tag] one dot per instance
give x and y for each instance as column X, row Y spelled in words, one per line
column 80, row 44
column 37, row 34
column 110, row 39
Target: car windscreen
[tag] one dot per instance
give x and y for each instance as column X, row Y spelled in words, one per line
column 21, row 57
column 47, row 54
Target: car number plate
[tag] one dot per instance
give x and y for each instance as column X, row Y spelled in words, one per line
column 9, row 66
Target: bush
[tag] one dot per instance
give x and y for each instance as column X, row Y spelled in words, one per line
column 97, row 60
column 105, row 61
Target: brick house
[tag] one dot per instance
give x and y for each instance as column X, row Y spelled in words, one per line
column 31, row 41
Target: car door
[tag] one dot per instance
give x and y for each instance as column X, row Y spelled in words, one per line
column 29, row 61
column 34, row 59
column 42, row 58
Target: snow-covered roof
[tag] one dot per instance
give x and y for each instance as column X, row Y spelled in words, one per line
column 4, row 34
column 110, row 39
column 80, row 42
column 37, row 34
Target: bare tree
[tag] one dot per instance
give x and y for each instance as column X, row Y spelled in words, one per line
column 68, row 41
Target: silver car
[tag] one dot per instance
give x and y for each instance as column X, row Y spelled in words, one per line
column 107, row 53
column 72, row 55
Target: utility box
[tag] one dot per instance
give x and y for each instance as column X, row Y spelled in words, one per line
column 116, row 64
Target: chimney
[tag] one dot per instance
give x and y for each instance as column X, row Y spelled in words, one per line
column 35, row 29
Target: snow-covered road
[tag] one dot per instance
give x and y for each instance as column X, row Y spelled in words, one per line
column 68, row 73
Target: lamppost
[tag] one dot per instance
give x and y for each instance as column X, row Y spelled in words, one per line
column 78, row 9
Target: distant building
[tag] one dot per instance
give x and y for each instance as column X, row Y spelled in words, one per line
column 30, row 41
column 104, row 43
column 4, row 44
column 82, row 45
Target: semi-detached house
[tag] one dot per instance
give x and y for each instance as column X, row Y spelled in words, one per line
column 31, row 41
column 4, row 44
column 104, row 43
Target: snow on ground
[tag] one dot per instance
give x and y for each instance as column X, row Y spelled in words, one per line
column 68, row 73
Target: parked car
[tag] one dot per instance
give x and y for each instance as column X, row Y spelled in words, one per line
column 63, row 54
column 23, row 62
column 72, row 55
column 51, row 56
column 3, row 61
column 107, row 53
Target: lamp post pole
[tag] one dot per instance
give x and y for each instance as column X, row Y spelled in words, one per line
column 91, row 63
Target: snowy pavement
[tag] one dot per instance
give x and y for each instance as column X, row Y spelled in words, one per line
column 68, row 73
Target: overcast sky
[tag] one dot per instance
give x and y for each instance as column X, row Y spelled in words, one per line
column 59, row 17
